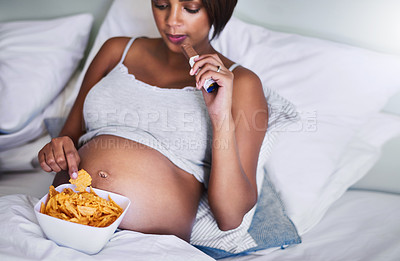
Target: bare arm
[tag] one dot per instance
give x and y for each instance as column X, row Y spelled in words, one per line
column 239, row 116
column 61, row 153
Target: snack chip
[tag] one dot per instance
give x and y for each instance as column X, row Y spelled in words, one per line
column 85, row 208
column 82, row 181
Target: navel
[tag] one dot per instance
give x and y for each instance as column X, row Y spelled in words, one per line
column 103, row 174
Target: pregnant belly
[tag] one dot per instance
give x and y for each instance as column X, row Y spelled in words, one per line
column 164, row 198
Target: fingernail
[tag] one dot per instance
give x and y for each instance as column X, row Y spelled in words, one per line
column 74, row 175
column 191, row 71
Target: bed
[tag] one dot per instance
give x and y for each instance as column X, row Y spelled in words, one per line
column 335, row 169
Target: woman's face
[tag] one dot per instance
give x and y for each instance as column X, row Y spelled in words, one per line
column 181, row 20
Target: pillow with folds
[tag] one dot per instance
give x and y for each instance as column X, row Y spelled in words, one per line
column 304, row 203
column 335, row 87
column 384, row 176
column 37, row 58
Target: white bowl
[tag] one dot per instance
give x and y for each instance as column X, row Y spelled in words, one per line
column 84, row 238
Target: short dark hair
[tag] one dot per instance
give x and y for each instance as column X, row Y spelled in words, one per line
column 219, row 12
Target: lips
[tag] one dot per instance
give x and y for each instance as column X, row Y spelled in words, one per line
column 176, row 38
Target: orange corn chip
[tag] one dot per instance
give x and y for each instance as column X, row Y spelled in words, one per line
column 85, row 208
column 82, row 181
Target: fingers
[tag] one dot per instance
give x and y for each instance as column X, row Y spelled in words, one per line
column 219, row 74
column 60, row 154
column 211, row 67
column 50, row 159
column 201, row 61
column 73, row 160
column 42, row 161
column 203, row 79
column 59, row 157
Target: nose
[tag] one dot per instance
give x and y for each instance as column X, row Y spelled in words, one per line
column 174, row 18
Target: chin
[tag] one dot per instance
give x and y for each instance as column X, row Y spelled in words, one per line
column 176, row 48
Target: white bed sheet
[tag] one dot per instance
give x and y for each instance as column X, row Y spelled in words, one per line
column 361, row 225
column 21, row 238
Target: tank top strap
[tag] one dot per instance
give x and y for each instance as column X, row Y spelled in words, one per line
column 128, row 45
column 233, row 66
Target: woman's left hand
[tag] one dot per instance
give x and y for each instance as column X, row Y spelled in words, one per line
column 218, row 102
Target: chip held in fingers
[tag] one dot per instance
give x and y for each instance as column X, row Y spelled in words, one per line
column 82, row 181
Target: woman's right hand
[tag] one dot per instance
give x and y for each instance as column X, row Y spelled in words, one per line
column 60, row 154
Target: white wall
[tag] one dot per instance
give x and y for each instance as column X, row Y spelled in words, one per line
column 373, row 24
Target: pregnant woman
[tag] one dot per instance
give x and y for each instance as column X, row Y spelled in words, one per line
column 144, row 127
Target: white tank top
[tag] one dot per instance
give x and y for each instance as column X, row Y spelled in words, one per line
column 175, row 122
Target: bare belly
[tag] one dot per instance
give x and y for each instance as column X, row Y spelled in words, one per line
column 164, row 197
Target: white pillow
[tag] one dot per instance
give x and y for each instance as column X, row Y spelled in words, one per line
column 335, row 87
column 36, row 60
column 19, row 150
column 304, row 203
column 385, row 174
column 20, row 158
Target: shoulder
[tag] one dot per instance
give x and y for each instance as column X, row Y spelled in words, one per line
column 113, row 48
column 248, row 101
column 110, row 52
column 245, row 79
column 115, row 45
column 247, row 87
column 118, row 44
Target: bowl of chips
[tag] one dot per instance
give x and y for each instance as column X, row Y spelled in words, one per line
column 83, row 220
